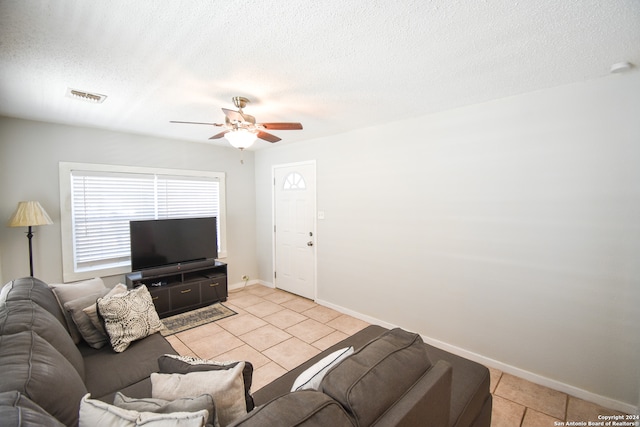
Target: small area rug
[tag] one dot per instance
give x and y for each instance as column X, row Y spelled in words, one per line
column 198, row 317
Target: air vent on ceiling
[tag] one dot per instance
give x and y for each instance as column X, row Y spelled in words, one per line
column 94, row 98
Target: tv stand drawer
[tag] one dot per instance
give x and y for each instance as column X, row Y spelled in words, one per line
column 184, row 295
column 160, row 299
column 214, row 289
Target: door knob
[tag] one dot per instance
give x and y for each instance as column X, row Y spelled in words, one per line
column 309, row 243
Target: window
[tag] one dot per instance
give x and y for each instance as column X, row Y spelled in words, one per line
column 294, row 181
column 98, row 201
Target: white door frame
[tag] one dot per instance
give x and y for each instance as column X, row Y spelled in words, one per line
column 315, row 222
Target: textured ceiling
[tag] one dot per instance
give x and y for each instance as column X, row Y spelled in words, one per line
column 332, row 65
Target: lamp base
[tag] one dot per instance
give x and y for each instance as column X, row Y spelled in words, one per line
column 30, row 236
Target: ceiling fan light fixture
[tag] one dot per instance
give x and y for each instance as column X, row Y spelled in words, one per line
column 241, row 138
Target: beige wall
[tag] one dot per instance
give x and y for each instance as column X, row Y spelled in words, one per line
column 29, row 156
column 507, row 230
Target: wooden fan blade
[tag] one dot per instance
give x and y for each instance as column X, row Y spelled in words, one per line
column 282, row 126
column 234, row 115
column 195, row 123
column 219, row 135
column 268, row 137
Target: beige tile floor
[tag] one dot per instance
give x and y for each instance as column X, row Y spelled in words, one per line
column 276, row 331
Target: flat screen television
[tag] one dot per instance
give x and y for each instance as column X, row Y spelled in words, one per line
column 161, row 242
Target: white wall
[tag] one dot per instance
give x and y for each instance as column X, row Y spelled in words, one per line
column 29, row 156
column 508, row 229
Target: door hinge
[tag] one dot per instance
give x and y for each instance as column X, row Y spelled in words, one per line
column 275, row 274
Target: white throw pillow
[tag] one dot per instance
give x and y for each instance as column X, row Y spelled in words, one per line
column 312, row 377
column 225, row 387
column 97, row 413
column 161, row 406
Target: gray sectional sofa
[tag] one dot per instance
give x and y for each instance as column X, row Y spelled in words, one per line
column 39, row 360
column 448, row 390
column 391, row 379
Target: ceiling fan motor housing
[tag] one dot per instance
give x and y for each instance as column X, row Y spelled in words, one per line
column 240, row 101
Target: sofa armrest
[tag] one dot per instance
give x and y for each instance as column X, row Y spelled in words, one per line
column 426, row 403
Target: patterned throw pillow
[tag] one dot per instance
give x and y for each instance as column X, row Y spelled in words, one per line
column 129, row 317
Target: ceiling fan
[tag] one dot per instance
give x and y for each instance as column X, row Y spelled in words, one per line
column 241, row 129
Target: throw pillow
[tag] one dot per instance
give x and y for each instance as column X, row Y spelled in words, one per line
column 88, row 332
column 225, row 387
column 98, row 413
column 173, row 364
column 129, row 317
column 161, row 406
column 312, row 377
column 92, row 310
column 66, row 292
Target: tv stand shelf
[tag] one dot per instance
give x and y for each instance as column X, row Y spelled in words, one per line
column 182, row 287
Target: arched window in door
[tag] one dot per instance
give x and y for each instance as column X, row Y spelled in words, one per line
column 294, row 181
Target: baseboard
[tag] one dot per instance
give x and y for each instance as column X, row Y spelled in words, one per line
column 240, row 285
column 603, row 401
column 267, row 284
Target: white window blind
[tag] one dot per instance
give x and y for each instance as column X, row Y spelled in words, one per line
column 102, row 206
column 103, row 203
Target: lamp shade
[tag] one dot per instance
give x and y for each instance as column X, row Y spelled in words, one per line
column 28, row 214
column 241, row 138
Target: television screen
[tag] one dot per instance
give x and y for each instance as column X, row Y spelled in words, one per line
column 170, row 241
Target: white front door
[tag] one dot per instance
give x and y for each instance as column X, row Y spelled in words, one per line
column 294, row 231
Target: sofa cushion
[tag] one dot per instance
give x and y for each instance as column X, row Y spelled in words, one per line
column 66, row 292
column 18, row 410
column 226, row 388
column 96, row 413
column 131, row 367
column 172, row 364
column 32, row 289
column 129, row 317
column 371, row 380
column 308, row 408
column 26, row 315
column 30, row 365
column 161, row 406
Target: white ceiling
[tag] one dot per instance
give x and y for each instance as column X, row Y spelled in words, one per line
column 333, row 65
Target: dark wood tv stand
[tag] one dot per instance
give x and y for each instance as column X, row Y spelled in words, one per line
column 182, row 287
